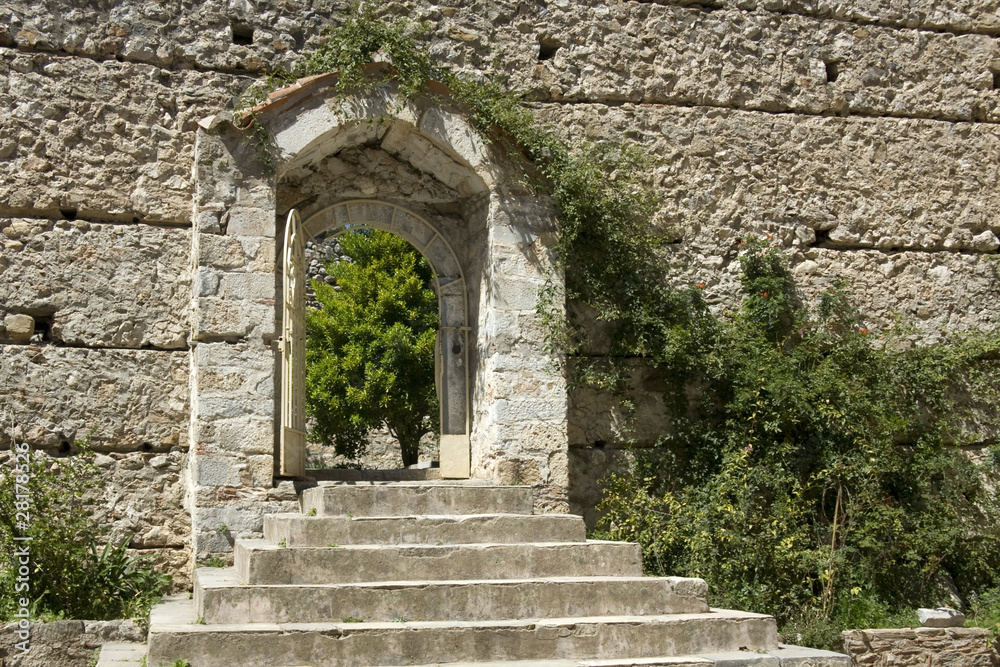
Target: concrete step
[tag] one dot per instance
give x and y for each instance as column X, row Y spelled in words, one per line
column 121, row 654
column 783, row 656
column 174, row 635
column 318, row 531
column 410, row 498
column 258, row 562
column 221, row 598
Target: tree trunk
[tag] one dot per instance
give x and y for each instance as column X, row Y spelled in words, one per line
column 409, row 443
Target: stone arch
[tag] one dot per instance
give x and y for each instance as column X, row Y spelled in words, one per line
column 500, row 236
column 308, row 121
column 452, row 350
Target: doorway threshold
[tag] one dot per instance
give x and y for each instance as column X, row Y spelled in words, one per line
column 424, row 471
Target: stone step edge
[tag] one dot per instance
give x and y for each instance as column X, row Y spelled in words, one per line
column 172, row 627
column 465, row 483
column 263, row 545
column 193, row 627
column 228, row 578
column 217, row 594
column 121, row 654
column 454, row 518
column 786, row 655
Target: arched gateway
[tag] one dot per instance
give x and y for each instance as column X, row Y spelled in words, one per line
column 451, row 350
column 414, row 168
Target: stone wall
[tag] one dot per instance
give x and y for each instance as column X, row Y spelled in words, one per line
column 862, row 136
column 98, row 285
column 926, row 647
column 65, row 643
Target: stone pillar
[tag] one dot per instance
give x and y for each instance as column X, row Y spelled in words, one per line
column 233, row 359
column 521, row 416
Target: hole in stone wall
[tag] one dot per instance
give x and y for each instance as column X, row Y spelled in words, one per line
column 832, row 71
column 822, row 238
column 64, row 447
column 146, row 447
column 242, row 33
column 547, row 48
column 43, row 329
column 996, row 80
column 68, row 213
column 599, row 444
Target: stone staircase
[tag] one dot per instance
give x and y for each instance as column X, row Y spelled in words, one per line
column 416, row 574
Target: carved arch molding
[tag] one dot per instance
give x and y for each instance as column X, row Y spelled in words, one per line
column 452, row 348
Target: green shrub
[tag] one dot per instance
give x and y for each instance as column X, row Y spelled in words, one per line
column 816, row 477
column 984, row 611
column 72, row 575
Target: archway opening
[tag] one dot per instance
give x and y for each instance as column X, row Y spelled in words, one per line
column 343, row 417
column 371, row 346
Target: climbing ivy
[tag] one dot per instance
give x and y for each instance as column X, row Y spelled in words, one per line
column 606, row 245
column 812, row 467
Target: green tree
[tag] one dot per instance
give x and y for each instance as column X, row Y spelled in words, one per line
column 370, row 347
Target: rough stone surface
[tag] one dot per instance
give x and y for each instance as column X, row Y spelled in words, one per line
column 143, row 497
column 942, row 617
column 860, row 135
column 588, row 464
column 866, row 182
column 98, row 285
column 19, row 327
column 105, row 140
column 763, row 61
column 242, row 37
column 65, row 643
column 124, row 399
column 933, row 647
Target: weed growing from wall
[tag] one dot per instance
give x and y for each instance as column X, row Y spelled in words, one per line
column 71, row 574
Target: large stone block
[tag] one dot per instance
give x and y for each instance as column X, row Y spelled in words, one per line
column 234, row 411
column 652, row 53
column 598, row 417
column 949, row 16
column 104, row 139
column 124, row 399
column 98, row 284
column 236, row 36
column 868, row 182
column 221, row 319
column 220, row 517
